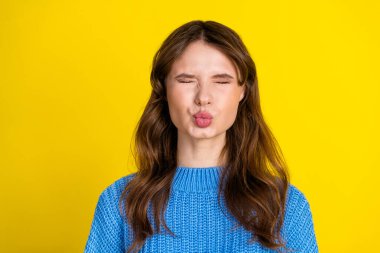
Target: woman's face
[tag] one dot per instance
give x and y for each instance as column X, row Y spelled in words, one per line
column 203, row 79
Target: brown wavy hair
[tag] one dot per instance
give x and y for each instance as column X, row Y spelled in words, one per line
column 255, row 177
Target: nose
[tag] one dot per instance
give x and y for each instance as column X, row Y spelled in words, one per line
column 203, row 96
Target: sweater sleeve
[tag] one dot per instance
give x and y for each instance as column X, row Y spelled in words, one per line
column 107, row 229
column 300, row 227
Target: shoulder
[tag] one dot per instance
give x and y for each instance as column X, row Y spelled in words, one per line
column 297, row 206
column 298, row 222
column 295, row 196
column 115, row 189
column 107, row 229
column 108, row 201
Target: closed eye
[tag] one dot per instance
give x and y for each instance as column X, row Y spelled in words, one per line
column 182, row 81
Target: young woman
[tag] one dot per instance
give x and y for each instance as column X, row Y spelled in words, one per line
column 211, row 176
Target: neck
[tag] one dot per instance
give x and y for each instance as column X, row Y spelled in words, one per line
column 204, row 152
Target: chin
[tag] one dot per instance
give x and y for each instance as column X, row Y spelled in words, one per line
column 204, row 133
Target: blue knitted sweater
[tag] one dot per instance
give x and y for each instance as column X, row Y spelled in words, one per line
column 194, row 216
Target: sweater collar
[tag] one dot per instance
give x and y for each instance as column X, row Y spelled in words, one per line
column 196, row 179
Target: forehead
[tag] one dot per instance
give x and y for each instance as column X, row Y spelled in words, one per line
column 203, row 59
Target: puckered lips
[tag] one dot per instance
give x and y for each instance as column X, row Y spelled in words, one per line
column 202, row 119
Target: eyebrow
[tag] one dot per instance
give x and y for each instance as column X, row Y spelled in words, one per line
column 222, row 75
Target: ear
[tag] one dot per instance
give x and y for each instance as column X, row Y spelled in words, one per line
column 242, row 93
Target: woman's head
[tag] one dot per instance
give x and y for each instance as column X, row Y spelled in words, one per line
column 254, row 179
column 203, row 66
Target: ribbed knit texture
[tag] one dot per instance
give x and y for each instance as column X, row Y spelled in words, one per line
column 199, row 223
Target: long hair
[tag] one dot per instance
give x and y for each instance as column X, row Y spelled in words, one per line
column 255, row 177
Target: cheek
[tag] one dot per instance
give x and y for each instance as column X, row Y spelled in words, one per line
column 177, row 99
column 229, row 110
column 177, row 102
column 230, row 113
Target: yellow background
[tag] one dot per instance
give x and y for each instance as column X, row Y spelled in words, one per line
column 74, row 78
